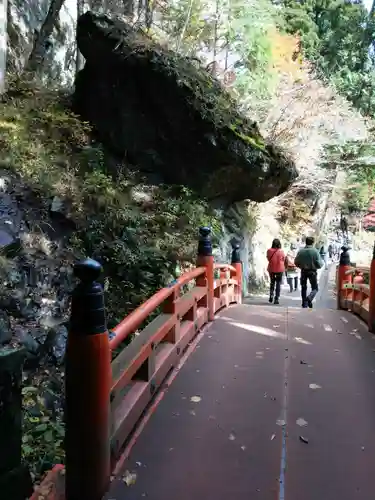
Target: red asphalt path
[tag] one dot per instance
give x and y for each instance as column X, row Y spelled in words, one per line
column 274, row 403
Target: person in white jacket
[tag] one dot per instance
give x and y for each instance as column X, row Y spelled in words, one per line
column 291, row 270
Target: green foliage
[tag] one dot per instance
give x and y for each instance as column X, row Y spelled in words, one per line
column 142, row 234
column 336, row 35
column 43, row 428
column 227, row 27
column 357, row 160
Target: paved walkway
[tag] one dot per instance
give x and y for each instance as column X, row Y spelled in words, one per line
column 324, row 299
column 274, row 403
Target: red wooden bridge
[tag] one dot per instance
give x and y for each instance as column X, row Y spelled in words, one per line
column 217, row 399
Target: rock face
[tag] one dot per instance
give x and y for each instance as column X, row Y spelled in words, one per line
column 166, row 115
column 35, row 273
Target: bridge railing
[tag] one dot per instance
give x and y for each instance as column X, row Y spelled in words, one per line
column 356, row 289
column 106, row 397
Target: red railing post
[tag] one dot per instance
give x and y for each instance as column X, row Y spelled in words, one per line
column 371, row 316
column 206, row 259
column 87, row 389
column 342, row 277
column 236, row 262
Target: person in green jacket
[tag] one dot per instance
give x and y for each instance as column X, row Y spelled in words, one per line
column 309, row 261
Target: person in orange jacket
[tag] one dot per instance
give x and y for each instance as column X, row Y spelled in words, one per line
column 276, row 269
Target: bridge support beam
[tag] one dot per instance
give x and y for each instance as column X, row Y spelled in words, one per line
column 206, row 259
column 371, row 318
column 87, row 390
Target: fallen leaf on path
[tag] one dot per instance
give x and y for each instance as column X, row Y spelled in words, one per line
column 195, row 399
column 337, row 331
column 243, row 448
column 276, row 326
column 192, row 412
column 129, row 478
column 357, row 336
column 301, row 422
column 273, row 437
column 315, row 386
column 337, row 350
column 304, row 440
column 232, row 437
column 303, row 362
column 280, row 422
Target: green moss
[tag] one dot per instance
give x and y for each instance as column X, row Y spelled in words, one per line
column 255, row 142
column 140, row 242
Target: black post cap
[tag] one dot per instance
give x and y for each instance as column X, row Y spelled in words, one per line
column 88, row 270
column 344, row 257
column 205, row 245
column 88, row 309
column 236, row 258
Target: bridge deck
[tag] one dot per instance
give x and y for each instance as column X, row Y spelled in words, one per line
column 241, row 420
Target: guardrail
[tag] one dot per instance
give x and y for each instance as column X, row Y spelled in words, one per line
column 105, row 398
column 356, row 289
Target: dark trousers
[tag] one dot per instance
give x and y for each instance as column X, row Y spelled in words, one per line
column 276, row 279
column 290, row 283
column 312, row 277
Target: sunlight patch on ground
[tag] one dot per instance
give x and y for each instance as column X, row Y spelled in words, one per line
column 300, row 340
column 268, row 332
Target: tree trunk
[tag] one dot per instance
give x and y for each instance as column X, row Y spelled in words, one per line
column 216, row 27
column 3, row 43
column 80, row 60
column 129, row 8
column 38, row 52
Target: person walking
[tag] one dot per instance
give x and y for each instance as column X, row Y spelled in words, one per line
column 309, row 261
column 330, row 251
column 291, row 270
column 323, row 256
column 276, row 269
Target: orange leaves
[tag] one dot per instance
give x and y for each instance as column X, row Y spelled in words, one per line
column 286, row 53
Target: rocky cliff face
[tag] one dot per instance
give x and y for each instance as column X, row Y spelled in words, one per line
column 36, row 274
column 170, row 117
column 24, row 21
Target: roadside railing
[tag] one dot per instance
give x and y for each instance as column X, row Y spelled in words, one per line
column 105, row 398
column 356, row 289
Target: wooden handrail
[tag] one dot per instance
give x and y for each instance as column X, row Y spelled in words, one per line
column 353, row 294
column 225, row 267
column 359, row 269
column 129, row 381
column 129, row 324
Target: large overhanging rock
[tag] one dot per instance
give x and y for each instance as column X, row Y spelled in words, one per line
column 167, row 115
